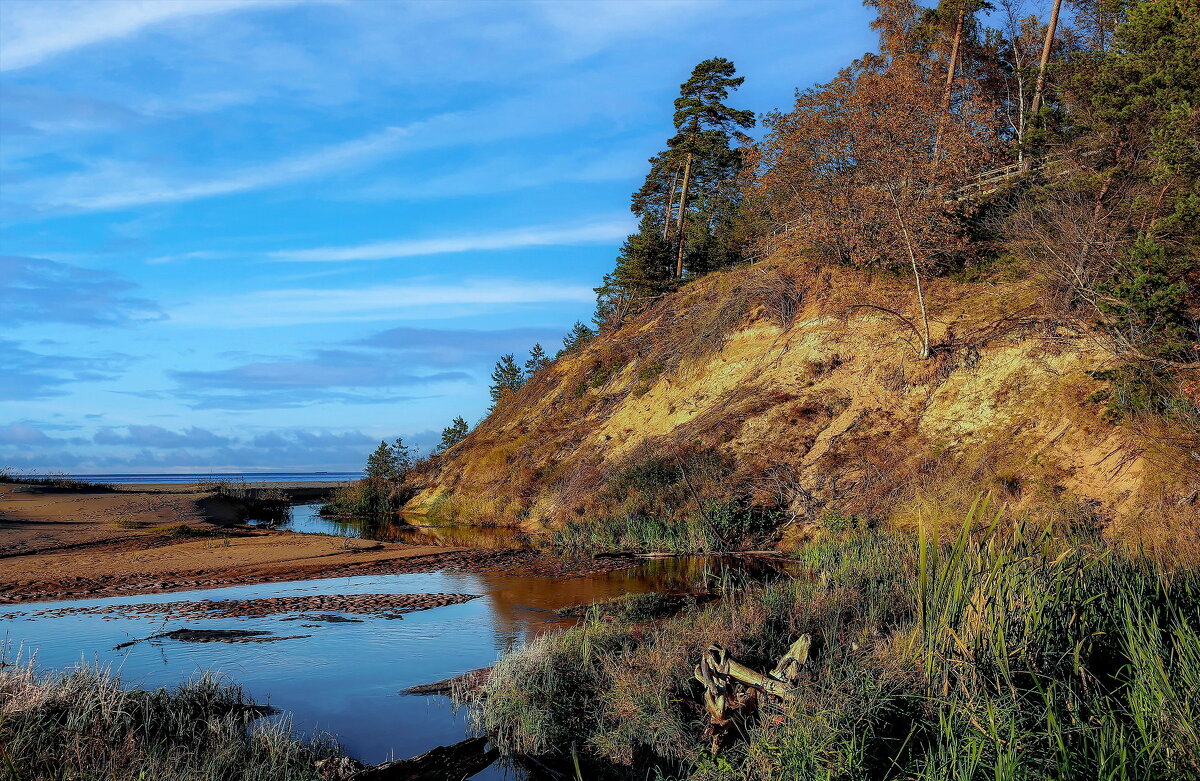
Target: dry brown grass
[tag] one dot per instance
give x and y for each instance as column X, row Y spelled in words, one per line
column 1163, row 530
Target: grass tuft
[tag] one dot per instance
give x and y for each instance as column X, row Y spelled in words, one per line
column 126, row 523
column 183, row 530
column 82, row 724
column 718, row 527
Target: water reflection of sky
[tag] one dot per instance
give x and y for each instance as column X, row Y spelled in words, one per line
column 344, row 677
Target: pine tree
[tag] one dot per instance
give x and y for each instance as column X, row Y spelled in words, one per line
column 644, row 271
column 1016, row 49
column 1039, row 88
column 403, row 457
column 1138, row 101
column 537, row 360
column 688, row 205
column 453, row 434
column 1097, row 20
column 578, row 336
column 507, row 379
column 704, row 125
column 952, row 21
column 381, row 464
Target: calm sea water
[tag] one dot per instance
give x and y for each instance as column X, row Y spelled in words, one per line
column 208, row 477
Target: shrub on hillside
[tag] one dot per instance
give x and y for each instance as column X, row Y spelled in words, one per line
column 369, row 498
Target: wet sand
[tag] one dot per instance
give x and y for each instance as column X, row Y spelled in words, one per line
column 70, row 544
column 316, row 607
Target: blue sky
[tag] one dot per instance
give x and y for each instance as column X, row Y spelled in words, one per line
column 240, row 234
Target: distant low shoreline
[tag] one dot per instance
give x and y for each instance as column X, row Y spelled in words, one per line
column 199, row 478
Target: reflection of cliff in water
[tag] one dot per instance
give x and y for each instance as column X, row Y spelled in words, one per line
column 522, row 606
column 450, row 536
column 306, row 518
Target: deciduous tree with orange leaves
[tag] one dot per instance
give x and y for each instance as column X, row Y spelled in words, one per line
column 869, row 164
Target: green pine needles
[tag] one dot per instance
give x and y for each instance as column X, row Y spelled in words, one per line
column 688, row 207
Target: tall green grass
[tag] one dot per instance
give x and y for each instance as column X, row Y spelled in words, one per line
column 717, row 527
column 998, row 652
column 679, row 502
column 82, row 724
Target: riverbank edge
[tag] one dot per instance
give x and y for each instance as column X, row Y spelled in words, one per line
column 210, row 541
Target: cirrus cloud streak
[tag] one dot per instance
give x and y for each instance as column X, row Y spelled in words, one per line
column 518, row 238
column 38, row 31
column 416, row 298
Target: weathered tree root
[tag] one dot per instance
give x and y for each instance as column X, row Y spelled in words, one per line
column 732, row 690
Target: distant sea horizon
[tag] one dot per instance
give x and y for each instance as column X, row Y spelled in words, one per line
column 204, row 477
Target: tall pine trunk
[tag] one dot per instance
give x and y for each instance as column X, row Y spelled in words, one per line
column 1039, row 88
column 958, row 31
column 683, row 193
column 667, row 213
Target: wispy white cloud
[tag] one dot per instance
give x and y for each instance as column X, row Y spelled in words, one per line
column 598, row 232
column 114, row 181
column 500, row 171
column 112, row 184
column 516, row 238
column 36, row 30
column 406, row 300
column 115, row 186
column 182, row 256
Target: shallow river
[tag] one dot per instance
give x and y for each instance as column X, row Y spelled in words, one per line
column 343, row 678
column 306, row 518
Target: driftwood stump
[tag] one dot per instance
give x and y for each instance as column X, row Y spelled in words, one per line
column 733, row 691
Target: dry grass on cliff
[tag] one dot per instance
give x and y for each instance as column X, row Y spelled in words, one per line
column 793, row 365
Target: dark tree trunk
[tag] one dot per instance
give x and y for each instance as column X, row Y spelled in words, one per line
column 683, row 193
column 950, row 72
column 1040, row 88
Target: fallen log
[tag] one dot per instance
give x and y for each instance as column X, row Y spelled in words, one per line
column 468, row 682
column 444, row 763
